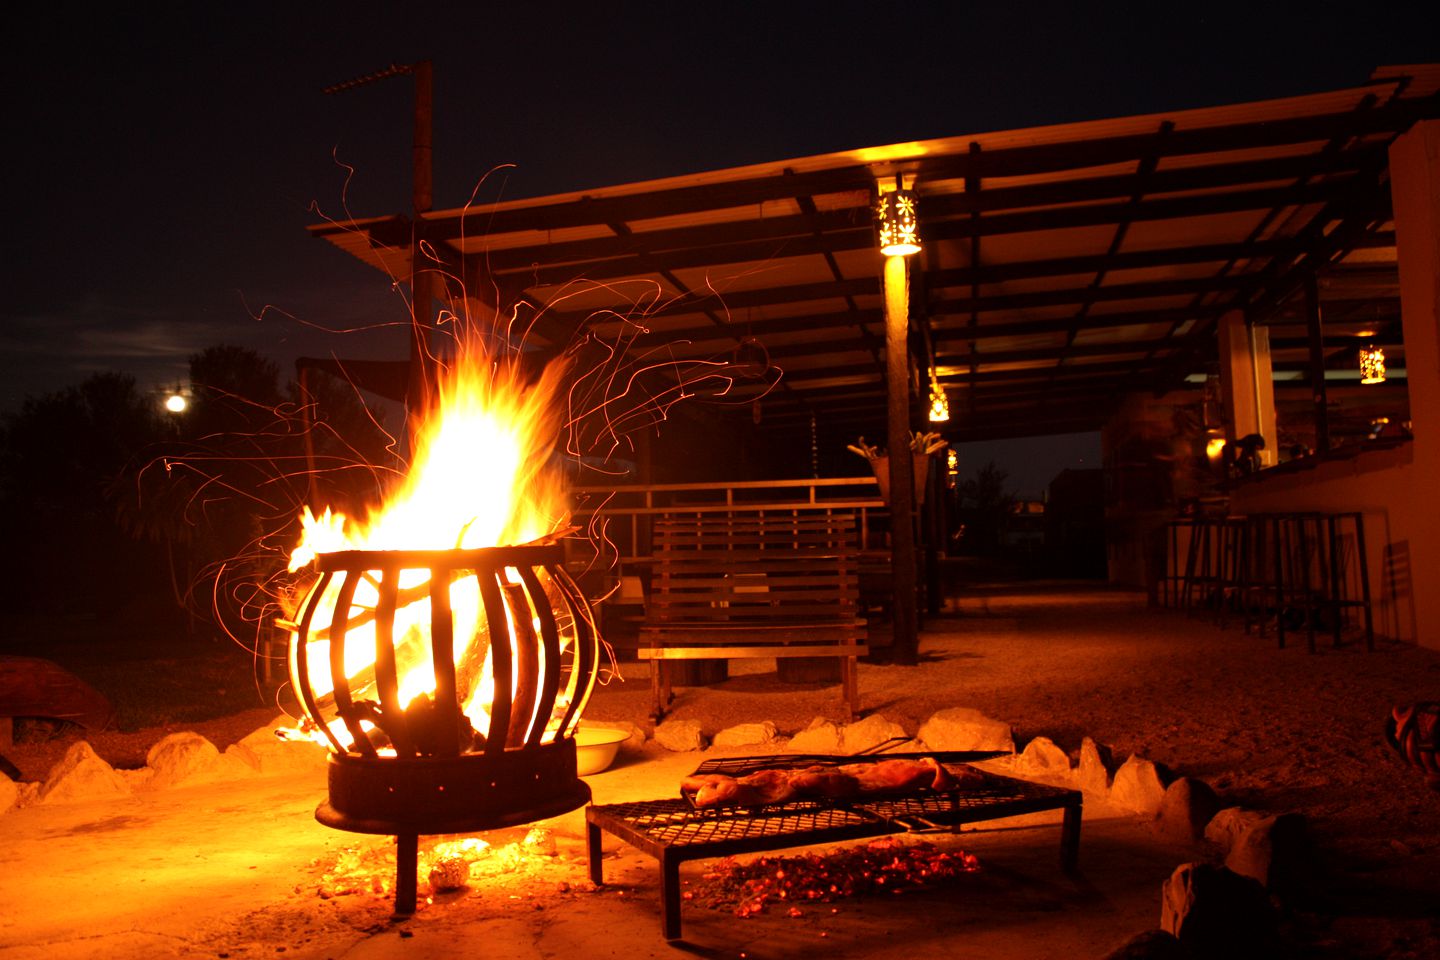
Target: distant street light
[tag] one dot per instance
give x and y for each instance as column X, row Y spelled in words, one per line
column 175, row 402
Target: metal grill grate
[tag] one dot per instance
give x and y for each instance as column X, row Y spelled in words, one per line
column 740, row 766
column 672, row 831
column 674, row 823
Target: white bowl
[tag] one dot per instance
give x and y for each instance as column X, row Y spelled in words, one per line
column 595, row 748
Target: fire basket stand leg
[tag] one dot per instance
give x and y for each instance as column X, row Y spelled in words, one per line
column 592, row 845
column 407, row 865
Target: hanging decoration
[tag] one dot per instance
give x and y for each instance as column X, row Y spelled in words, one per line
column 898, row 223
column 939, row 405
column 1372, row 365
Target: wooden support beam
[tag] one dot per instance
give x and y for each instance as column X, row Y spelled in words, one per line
column 1317, row 366
column 903, row 613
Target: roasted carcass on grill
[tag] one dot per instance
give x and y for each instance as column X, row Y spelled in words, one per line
column 818, row 782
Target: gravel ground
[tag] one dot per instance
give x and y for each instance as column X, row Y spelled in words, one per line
column 1272, row 729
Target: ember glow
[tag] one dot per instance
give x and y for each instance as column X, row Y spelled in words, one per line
column 881, row 866
column 481, row 477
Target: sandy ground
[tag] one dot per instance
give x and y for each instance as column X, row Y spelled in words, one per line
column 240, row 868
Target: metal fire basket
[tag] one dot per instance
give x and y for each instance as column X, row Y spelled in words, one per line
column 423, row 767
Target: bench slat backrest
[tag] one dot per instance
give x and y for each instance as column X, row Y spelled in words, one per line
column 737, row 568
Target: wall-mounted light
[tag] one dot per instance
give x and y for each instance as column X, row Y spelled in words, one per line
column 1372, row 365
column 899, row 226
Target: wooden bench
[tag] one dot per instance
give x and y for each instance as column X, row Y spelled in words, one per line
column 735, row 585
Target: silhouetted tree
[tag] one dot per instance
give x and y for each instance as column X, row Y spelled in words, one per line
column 58, row 455
column 985, row 501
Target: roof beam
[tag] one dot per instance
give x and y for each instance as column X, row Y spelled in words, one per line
column 1102, row 151
column 1118, row 291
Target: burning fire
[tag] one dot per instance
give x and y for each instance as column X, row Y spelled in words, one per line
column 481, row 477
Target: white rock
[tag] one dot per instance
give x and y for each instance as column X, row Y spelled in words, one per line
column 1274, row 851
column 1216, row 913
column 233, row 766
column 82, row 775
column 961, row 728
column 1091, row 775
column 745, row 735
column 240, row 753
column 1042, row 758
column 1227, row 825
column 9, row 794
column 681, row 736
column 137, row 780
column 1138, row 786
column 1188, row 805
column 180, row 757
column 274, row 755
column 822, row 737
column 868, row 733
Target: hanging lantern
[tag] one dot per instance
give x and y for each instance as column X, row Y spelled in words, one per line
column 939, row 405
column 1372, row 365
column 899, row 226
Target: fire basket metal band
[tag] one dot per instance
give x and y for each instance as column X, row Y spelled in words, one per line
column 448, row 684
column 452, row 795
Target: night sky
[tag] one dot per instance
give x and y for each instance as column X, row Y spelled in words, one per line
column 166, row 161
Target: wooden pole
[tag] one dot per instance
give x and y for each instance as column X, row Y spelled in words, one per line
column 1317, row 366
column 906, row 642
column 422, row 276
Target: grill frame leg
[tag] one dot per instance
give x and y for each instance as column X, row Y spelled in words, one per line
column 1070, row 840
column 669, row 896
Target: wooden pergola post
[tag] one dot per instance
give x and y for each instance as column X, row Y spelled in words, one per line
column 904, row 616
column 1316, row 339
column 422, row 281
column 899, row 239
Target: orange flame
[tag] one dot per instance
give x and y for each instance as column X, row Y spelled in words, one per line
column 481, row 474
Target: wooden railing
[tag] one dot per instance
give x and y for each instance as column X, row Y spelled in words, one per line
column 623, row 514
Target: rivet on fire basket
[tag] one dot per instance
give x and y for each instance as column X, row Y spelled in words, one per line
column 448, row 684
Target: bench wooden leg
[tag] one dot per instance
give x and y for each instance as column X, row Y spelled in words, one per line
column 661, row 693
column 850, row 683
